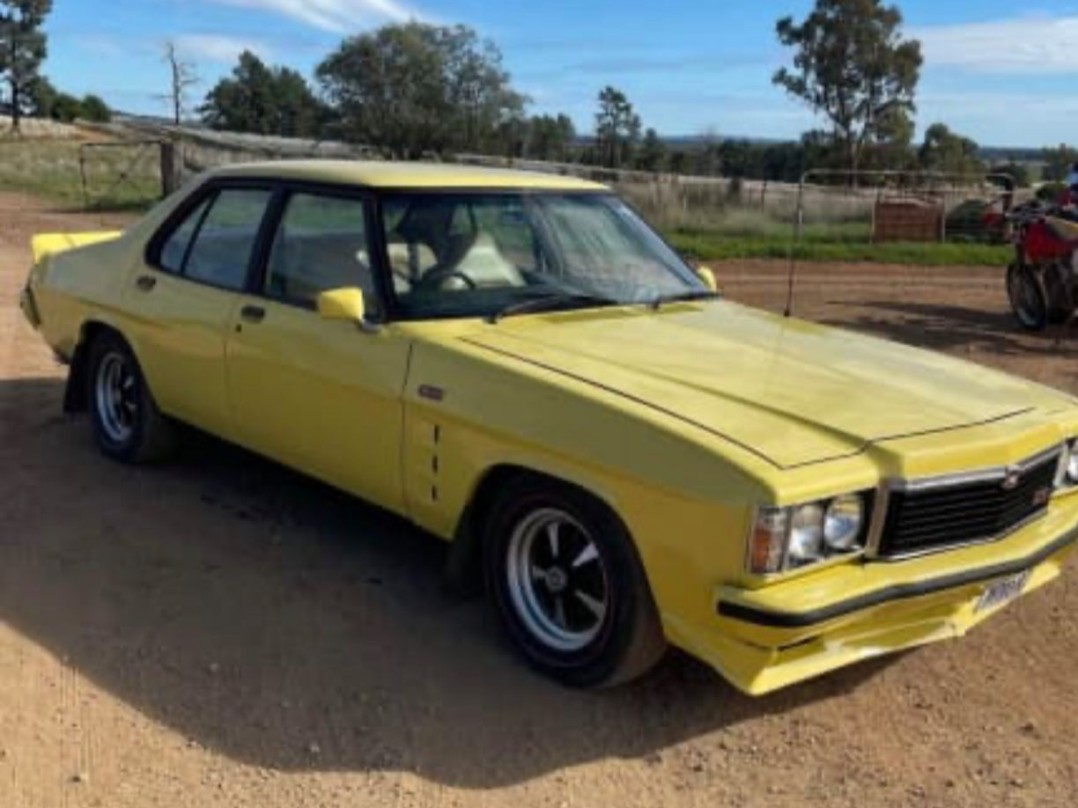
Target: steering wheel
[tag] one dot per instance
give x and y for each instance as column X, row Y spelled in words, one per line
column 437, row 276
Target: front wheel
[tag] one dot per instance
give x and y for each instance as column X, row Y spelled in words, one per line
column 568, row 586
column 126, row 422
column 1061, row 292
column 1029, row 301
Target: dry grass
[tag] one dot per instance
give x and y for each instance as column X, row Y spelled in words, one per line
column 37, row 128
column 116, row 177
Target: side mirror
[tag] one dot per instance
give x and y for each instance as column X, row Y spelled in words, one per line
column 343, row 304
column 708, row 277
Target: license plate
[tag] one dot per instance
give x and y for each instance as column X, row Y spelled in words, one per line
column 1003, row 591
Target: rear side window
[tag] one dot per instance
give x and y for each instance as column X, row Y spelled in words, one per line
column 226, row 237
column 174, row 250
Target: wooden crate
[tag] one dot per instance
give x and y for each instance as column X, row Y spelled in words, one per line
column 908, row 220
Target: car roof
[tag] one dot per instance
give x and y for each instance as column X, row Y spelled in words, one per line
column 384, row 174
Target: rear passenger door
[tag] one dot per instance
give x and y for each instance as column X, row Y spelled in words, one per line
column 184, row 297
column 318, row 395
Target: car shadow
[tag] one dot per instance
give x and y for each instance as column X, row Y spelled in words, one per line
column 947, row 327
column 285, row 625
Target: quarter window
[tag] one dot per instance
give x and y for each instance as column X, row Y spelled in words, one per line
column 321, row 244
column 174, row 250
column 224, row 241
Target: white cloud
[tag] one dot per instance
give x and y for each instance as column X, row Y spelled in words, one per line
column 1021, row 45
column 217, row 47
column 339, row 16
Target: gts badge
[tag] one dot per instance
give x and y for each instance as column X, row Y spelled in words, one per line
column 431, row 393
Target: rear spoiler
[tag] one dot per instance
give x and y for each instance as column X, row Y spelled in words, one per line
column 46, row 244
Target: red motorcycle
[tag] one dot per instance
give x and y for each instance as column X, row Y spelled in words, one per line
column 1042, row 281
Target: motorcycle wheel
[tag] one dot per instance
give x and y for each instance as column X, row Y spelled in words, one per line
column 1029, row 302
column 1059, row 293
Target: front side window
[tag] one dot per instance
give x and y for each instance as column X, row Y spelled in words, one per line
column 320, row 245
column 224, row 241
column 475, row 254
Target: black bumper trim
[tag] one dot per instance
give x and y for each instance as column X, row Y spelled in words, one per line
column 762, row 617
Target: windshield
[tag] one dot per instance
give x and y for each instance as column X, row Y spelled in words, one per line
column 478, row 254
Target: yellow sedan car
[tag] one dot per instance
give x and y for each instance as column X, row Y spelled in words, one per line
column 519, row 364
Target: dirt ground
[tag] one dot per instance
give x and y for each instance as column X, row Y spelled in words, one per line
column 221, row 632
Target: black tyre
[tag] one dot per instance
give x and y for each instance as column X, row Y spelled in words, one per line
column 1059, row 293
column 1029, row 302
column 565, row 580
column 127, row 424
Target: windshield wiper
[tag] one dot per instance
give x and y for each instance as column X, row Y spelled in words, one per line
column 683, row 297
column 556, row 300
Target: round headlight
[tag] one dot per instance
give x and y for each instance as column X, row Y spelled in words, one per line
column 1070, row 469
column 843, row 522
column 806, row 534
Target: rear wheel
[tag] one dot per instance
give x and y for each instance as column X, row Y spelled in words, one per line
column 127, row 424
column 568, row 587
column 1029, row 301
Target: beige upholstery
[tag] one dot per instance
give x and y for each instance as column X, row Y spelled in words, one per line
column 486, row 266
column 402, row 269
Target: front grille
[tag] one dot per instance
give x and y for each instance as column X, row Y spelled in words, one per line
column 930, row 518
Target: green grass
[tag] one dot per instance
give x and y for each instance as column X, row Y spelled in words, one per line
column 49, row 168
column 719, row 246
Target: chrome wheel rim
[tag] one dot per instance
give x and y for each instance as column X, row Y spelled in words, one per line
column 116, row 392
column 557, row 580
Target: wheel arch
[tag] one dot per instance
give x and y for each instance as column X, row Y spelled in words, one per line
column 76, row 392
column 463, row 573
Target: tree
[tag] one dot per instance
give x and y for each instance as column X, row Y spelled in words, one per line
column 1058, row 162
column 652, row 152
column 263, row 100
column 95, row 109
column 550, row 137
column 413, row 88
column 851, row 65
column 66, row 108
column 41, row 96
column 947, row 152
column 22, row 49
column 182, row 78
column 890, row 148
column 617, row 128
column 679, row 161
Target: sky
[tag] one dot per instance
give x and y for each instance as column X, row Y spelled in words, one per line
column 1001, row 72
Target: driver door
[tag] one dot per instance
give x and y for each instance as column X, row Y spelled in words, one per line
column 322, row 396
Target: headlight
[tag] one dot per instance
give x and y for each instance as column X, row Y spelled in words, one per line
column 786, row 539
column 806, row 535
column 1068, row 466
column 843, row 523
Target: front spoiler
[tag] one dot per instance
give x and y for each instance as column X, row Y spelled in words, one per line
column 905, row 591
column 770, row 638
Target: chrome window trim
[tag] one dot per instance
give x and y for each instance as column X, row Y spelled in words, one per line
column 942, row 481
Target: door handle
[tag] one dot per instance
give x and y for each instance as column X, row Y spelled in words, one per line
column 145, row 283
column 253, row 314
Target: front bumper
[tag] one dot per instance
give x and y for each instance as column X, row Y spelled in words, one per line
column 788, row 632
